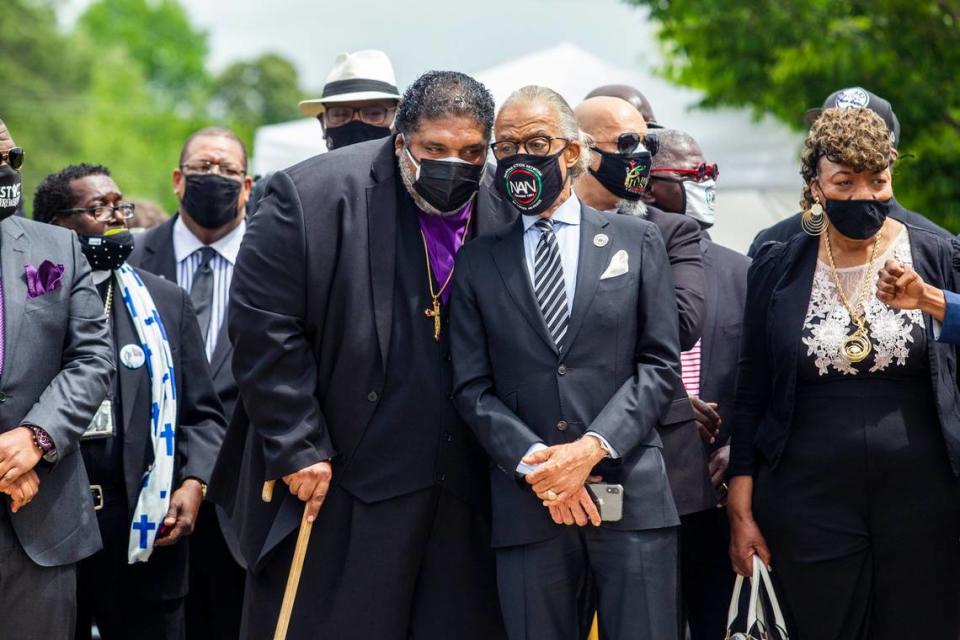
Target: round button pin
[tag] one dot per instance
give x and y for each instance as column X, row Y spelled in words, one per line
column 601, row 240
column 132, row 356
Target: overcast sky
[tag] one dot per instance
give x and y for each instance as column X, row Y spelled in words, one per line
column 418, row 35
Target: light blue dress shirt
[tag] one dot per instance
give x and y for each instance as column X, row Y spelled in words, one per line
column 566, row 228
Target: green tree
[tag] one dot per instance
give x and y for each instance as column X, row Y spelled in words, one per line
column 782, row 58
column 158, row 35
column 252, row 93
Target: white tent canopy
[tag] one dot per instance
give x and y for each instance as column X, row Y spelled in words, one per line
column 759, row 160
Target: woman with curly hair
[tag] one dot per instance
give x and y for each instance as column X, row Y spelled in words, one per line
column 847, row 439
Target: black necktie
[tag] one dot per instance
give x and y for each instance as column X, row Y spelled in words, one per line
column 201, row 291
column 549, row 284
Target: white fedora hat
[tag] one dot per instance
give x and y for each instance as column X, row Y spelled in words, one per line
column 364, row 75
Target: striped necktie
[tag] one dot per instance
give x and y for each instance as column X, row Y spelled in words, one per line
column 549, row 284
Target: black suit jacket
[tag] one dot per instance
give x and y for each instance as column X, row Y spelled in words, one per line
column 683, row 449
column 726, row 272
column 789, row 227
column 200, row 425
column 615, row 374
column 778, row 292
column 311, row 321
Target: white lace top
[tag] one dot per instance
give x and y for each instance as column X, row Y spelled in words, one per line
column 827, row 323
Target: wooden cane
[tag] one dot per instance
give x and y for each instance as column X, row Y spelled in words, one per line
column 296, row 565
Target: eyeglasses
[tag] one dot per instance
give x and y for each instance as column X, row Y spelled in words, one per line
column 699, row 173
column 377, row 116
column 205, row 167
column 13, row 157
column 103, row 212
column 535, row 146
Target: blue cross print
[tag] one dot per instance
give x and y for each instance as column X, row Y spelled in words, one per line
column 168, row 434
column 144, row 526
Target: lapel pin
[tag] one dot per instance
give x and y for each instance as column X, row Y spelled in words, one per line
column 132, row 356
column 601, row 240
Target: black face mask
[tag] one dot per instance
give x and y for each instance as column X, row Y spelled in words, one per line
column 858, row 219
column 625, row 175
column 446, row 185
column 352, row 133
column 109, row 251
column 530, row 183
column 10, row 193
column 211, row 200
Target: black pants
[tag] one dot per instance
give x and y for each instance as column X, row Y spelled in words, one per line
column 215, row 601
column 121, row 598
column 634, row 574
column 418, row 566
column 862, row 516
column 706, row 577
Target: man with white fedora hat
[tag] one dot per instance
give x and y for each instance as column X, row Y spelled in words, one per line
column 359, row 99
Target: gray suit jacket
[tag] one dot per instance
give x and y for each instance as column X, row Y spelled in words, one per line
column 56, row 371
column 615, row 375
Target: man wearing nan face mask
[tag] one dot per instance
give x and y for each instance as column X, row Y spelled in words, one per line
column 339, row 321
column 197, row 249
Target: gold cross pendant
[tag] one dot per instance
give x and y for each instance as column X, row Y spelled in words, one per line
column 435, row 314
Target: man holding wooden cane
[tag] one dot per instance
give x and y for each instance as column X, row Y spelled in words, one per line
column 339, row 324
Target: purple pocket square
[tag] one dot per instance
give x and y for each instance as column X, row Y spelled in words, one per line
column 46, row 278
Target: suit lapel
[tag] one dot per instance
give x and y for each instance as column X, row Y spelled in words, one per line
column 132, row 385
column 158, row 255
column 382, row 242
column 15, row 250
column 492, row 212
column 593, row 261
column 509, row 257
column 221, row 350
column 710, row 304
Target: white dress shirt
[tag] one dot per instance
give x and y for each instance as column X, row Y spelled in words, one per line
column 186, row 250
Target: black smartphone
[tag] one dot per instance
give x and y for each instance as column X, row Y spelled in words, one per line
column 609, row 500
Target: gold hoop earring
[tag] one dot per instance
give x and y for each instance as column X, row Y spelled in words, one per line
column 813, row 221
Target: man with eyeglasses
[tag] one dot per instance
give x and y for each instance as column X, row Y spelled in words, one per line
column 56, row 362
column 197, row 249
column 684, row 185
column 339, row 316
column 565, row 353
column 358, row 101
column 150, row 448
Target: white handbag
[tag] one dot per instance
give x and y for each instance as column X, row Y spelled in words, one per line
column 756, row 627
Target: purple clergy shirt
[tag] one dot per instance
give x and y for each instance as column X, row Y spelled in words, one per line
column 444, row 236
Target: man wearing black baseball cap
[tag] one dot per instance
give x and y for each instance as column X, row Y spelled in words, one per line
column 849, row 98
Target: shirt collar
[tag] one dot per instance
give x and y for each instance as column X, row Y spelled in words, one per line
column 186, row 244
column 567, row 213
column 100, row 275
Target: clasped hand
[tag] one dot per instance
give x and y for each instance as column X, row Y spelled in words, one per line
column 559, row 481
column 18, row 456
column 310, row 485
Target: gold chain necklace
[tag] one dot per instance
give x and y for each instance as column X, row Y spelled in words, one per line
column 434, row 310
column 856, row 346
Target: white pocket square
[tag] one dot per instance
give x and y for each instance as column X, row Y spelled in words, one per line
column 619, row 265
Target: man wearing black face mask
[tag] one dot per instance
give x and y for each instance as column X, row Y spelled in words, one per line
column 151, row 446
column 197, row 249
column 359, row 99
column 56, row 365
column 339, row 321
column 565, row 354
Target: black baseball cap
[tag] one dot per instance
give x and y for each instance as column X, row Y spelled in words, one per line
column 859, row 97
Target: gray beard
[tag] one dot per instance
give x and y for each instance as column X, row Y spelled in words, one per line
column 632, row 208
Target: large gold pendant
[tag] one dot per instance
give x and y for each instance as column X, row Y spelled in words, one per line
column 856, row 347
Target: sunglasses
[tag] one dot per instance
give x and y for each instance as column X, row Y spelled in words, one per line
column 13, row 157
column 699, row 173
column 629, row 142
